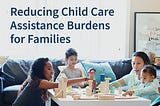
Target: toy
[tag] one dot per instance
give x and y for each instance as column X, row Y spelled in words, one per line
column 89, row 88
column 76, row 97
column 102, row 77
column 88, row 91
column 107, row 84
column 112, row 89
column 106, row 97
column 91, row 72
column 104, row 86
column 60, row 92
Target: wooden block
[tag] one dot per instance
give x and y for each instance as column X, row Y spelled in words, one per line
column 88, row 91
column 106, row 97
column 76, row 97
column 58, row 93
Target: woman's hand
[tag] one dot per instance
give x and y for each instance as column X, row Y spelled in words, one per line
column 130, row 93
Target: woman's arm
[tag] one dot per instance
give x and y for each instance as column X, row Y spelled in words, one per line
column 122, row 82
column 117, row 83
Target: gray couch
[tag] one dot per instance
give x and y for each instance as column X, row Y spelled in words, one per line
column 19, row 69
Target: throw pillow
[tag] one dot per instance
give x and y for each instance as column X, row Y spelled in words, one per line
column 101, row 68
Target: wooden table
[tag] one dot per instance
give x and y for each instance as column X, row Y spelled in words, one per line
column 69, row 101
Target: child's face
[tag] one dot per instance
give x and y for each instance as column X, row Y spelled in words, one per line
column 72, row 60
column 48, row 70
column 146, row 77
column 137, row 64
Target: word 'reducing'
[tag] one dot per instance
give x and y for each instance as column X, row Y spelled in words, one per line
column 65, row 11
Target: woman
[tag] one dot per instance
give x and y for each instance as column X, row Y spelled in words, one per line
column 149, row 84
column 132, row 80
column 34, row 89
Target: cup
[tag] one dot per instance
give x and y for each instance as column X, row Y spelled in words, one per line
column 102, row 77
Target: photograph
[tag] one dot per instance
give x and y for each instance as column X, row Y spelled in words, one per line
column 80, row 53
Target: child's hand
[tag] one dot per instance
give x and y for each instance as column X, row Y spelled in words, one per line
column 94, row 85
column 130, row 93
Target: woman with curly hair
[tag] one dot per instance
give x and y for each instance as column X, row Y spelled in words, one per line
column 34, row 89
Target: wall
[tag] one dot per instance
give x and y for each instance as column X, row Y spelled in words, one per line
column 140, row 6
column 70, row 24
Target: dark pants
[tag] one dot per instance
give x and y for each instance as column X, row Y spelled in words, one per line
column 53, row 103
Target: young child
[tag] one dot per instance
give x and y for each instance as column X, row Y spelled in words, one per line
column 149, row 84
column 71, row 71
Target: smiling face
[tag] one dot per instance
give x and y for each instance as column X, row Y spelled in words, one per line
column 72, row 60
column 48, row 70
column 137, row 64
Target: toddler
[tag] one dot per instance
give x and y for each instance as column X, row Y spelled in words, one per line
column 149, row 84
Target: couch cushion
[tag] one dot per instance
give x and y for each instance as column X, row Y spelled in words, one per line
column 101, row 68
column 9, row 94
column 121, row 67
column 18, row 69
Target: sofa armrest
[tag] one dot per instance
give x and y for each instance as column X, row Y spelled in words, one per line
column 0, row 98
column 1, row 84
column 1, row 89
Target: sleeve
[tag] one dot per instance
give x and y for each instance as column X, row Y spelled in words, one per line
column 150, row 89
column 126, row 78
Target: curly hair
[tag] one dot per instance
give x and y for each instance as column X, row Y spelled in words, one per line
column 37, row 68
